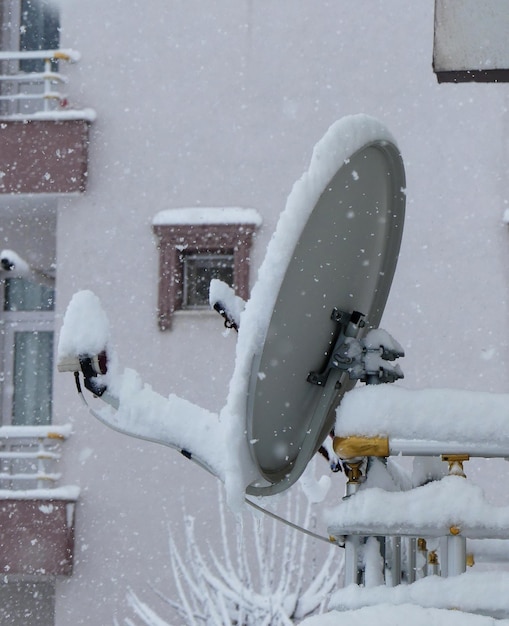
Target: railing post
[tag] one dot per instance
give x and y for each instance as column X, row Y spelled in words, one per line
column 456, row 553
column 47, row 84
column 12, row 79
column 40, row 463
column 411, row 562
column 392, row 561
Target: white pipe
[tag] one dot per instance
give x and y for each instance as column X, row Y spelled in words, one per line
column 423, row 447
column 352, row 560
column 456, row 555
column 393, row 561
column 411, row 561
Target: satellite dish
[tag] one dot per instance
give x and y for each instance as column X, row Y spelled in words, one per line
column 334, row 284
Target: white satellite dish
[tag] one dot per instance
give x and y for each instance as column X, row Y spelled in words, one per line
column 336, row 284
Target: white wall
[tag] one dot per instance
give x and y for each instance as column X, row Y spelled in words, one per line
column 220, row 105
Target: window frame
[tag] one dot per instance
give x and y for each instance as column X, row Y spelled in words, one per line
column 199, row 238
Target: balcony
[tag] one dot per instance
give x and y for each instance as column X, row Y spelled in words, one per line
column 36, row 515
column 470, row 42
column 44, row 139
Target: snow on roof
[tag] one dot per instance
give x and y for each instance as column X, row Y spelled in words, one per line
column 207, row 215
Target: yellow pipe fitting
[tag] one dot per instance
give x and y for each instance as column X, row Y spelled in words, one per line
column 353, row 471
column 62, row 56
column 52, row 435
column 433, row 557
column 455, row 530
column 355, row 446
column 455, row 462
column 470, row 560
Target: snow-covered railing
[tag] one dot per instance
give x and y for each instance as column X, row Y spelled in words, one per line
column 28, row 456
column 33, row 92
column 398, row 527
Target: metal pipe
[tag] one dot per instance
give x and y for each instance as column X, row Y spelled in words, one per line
column 456, row 555
column 411, row 561
column 352, row 544
column 392, row 561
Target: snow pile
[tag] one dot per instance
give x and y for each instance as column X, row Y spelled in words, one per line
column 220, row 293
column 444, row 414
column 58, row 115
column 472, row 592
column 171, row 421
column 86, row 329
column 11, row 262
column 142, row 413
column 429, row 510
column 401, row 615
column 66, row 492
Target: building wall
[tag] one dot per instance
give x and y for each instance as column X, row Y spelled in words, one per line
column 221, row 107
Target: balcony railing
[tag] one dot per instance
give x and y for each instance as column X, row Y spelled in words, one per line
column 36, row 514
column 33, row 92
column 29, row 456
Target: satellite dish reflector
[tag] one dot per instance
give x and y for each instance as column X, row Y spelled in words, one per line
column 333, row 281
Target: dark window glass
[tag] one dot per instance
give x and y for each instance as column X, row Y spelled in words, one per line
column 33, row 352
column 39, row 30
column 27, row 602
column 199, row 270
column 22, row 295
column 29, row 351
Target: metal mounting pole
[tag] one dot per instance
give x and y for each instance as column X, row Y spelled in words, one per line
column 411, row 560
column 392, row 561
column 353, row 573
column 456, row 553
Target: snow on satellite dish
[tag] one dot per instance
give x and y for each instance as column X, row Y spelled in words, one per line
column 332, row 257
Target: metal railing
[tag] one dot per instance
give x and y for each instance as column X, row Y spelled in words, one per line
column 33, row 91
column 29, row 456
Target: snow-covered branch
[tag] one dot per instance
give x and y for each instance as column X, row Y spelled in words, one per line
column 253, row 588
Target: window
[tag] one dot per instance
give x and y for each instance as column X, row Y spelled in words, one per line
column 39, row 30
column 27, row 336
column 26, row 25
column 27, row 602
column 29, row 25
column 196, row 245
column 199, row 270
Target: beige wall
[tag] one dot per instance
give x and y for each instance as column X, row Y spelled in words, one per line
column 221, row 108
